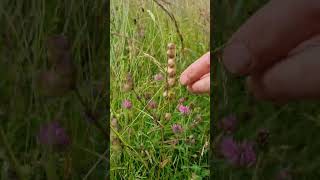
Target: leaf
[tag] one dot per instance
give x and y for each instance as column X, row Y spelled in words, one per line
column 164, row 162
column 151, row 15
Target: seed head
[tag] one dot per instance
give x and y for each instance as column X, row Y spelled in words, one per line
column 152, row 104
column 171, row 63
column 171, row 53
column 171, row 72
column 171, row 81
column 171, row 46
column 167, row 116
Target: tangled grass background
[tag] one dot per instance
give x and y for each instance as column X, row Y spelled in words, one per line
column 154, row 133
column 53, row 89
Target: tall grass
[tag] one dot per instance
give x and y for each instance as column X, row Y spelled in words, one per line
column 140, row 32
column 25, row 27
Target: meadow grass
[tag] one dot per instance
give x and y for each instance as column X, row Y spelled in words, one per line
column 25, row 28
column 293, row 128
column 140, row 32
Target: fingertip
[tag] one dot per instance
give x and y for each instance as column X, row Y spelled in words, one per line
column 184, row 79
column 237, row 58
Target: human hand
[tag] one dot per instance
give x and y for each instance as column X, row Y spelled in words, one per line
column 197, row 76
column 278, row 49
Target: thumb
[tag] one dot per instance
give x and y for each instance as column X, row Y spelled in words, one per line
column 270, row 34
column 296, row 77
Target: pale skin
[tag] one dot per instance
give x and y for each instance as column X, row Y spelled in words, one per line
column 278, row 50
column 197, row 76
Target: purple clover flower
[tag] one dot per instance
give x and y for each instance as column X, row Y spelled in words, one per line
column 229, row 123
column 238, row 154
column 158, row 77
column 177, row 128
column 185, row 110
column 54, row 135
column 127, row 104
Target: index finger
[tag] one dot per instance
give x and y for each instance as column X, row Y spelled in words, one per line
column 270, row 34
column 196, row 70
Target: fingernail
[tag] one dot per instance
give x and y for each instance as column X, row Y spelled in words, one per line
column 184, row 80
column 237, row 58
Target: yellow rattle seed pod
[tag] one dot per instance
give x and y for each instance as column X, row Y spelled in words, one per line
column 165, row 93
column 171, row 46
column 171, row 63
column 171, row 71
column 171, row 53
column 171, row 81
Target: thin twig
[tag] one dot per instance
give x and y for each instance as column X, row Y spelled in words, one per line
column 174, row 21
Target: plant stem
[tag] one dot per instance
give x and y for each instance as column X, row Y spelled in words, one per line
column 14, row 161
column 89, row 114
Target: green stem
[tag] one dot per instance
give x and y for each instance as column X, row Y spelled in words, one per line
column 13, row 160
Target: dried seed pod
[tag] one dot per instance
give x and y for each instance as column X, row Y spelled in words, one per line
column 167, row 116
column 171, row 63
column 165, row 93
column 171, row 72
column 171, row 81
column 171, row 46
column 171, row 95
column 171, row 53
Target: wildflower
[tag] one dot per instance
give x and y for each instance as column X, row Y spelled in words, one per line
column 177, row 128
column 54, row 135
column 238, row 154
column 185, row 110
column 127, row 104
column 152, row 104
column 167, row 116
column 128, row 85
column 158, row 77
column 229, row 123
